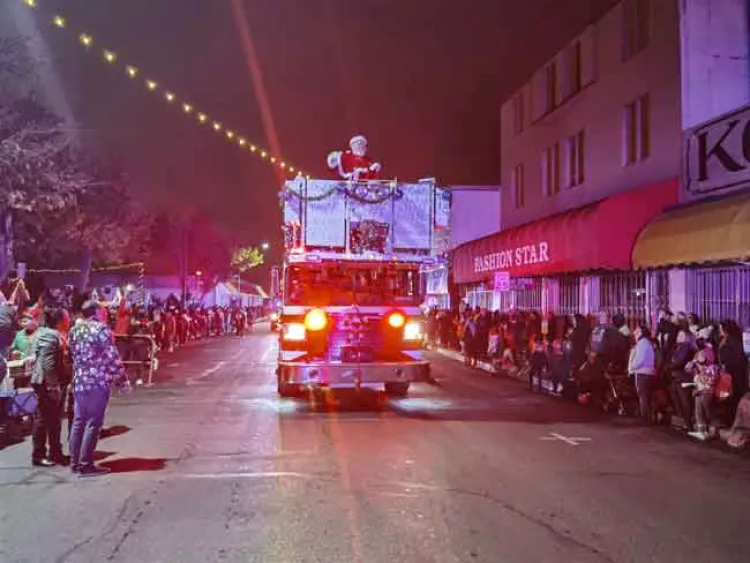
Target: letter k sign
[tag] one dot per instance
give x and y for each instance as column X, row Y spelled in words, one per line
column 704, row 154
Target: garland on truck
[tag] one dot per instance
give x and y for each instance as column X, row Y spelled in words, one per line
column 360, row 192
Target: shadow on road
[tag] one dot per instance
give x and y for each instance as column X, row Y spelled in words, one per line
column 112, row 431
column 135, row 464
column 100, row 455
column 506, row 407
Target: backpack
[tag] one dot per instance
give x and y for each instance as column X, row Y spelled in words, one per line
column 724, row 386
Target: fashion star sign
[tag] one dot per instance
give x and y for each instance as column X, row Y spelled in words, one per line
column 506, row 259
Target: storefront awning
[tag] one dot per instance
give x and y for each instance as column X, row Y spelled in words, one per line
column 716, row 231
column 596, row 237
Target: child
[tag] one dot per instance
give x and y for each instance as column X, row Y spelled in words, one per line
column 559, row 366
column 493, row 346
column 538, row 364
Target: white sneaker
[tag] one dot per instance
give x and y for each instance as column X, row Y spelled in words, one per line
column 702, row 436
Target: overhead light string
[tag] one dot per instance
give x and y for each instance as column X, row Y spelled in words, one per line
column 112, row 58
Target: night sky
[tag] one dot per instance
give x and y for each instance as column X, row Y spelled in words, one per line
column 422, row 80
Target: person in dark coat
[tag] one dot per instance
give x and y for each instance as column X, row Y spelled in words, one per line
column 732, row 357
column 682, row 397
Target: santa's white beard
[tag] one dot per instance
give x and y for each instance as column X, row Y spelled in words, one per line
column 359, row 150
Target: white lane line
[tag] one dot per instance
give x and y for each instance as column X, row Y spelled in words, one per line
column 258, row 475
column 206, row 373
column 570, row 440
column 271, row 348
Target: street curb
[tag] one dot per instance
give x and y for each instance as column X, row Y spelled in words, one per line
column 486, row 367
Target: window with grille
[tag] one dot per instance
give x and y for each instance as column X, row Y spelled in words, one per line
column 715, row 294
column 626, row 293
column 570, row 295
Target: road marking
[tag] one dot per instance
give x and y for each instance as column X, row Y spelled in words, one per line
column 173, row 365
column 206, row 373
column 271, row 348
column 570, row 440
column 254, row 475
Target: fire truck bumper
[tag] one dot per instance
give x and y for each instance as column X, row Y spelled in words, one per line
column 352, row 375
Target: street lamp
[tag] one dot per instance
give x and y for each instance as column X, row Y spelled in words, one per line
column 265, row 246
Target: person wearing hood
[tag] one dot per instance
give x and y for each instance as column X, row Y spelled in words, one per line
column 666, row 334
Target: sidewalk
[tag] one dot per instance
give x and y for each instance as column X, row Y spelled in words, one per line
column 518, row 374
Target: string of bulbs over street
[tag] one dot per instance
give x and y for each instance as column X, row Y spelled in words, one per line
column 111, row 57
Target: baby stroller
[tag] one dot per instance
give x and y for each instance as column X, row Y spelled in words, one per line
column 621, row 396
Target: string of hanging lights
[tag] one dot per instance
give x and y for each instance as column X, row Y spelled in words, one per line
column 133, row 72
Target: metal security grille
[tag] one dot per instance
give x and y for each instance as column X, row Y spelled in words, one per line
column 570, row 295
column 530, row 299
column 625, row 292
column 715, row 294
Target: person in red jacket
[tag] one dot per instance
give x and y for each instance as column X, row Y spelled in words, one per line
column 354, row 164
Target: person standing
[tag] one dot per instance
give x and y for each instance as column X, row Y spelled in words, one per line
column 642, row 366
column 97, row 366
column 48, row 381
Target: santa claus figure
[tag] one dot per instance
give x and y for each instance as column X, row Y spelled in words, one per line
column 354, row 164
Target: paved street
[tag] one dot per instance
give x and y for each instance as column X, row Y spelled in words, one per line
column 210, row 466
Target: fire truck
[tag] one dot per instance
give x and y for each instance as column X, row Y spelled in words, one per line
column 351, row 287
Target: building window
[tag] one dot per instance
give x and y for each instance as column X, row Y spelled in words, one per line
column 636, row 127
column 550, row 84
column 517, row 185
column 636, row 24
column 576, row 160
column 551, row 174
column 575, row 69
column 518, row 114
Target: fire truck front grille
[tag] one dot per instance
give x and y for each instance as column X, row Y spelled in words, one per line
column 354, row 338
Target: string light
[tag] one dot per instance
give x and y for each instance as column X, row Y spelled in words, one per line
column 110, row 57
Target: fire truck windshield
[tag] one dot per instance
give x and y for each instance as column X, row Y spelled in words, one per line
column 321, row 285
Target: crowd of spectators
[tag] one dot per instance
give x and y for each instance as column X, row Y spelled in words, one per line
column 679, row 369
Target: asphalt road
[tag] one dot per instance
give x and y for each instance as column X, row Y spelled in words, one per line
column 210, row 466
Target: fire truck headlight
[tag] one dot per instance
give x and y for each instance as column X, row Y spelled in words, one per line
column 294, row 332
column 274, row 316
column 413, row 331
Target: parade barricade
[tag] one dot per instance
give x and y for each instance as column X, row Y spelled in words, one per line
column 139, row 350
column 17, row 398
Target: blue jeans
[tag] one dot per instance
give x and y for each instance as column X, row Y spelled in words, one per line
column 88, row 419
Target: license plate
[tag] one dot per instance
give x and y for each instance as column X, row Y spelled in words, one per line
column 352, row 354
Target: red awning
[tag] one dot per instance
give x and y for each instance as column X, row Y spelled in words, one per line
column 600, row 236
